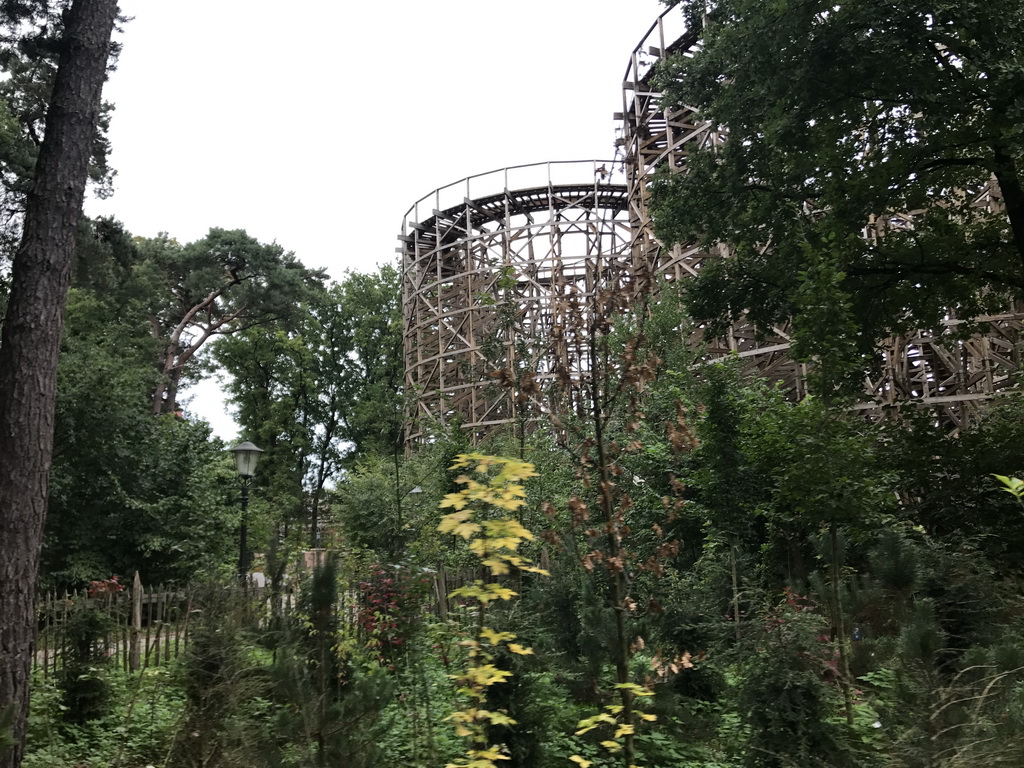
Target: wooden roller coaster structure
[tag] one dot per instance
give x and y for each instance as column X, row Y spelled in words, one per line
column 502, row 272
column 499, row 274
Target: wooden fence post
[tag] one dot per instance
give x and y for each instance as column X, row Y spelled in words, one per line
column 441, row 592
column 62, row 655
column 133, row 663
column 45, row 635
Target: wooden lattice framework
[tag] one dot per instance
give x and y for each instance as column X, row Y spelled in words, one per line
column 935, row 367
column 500, row 272
column 653, row 137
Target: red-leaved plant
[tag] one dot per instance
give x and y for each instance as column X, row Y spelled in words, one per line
column 391, row 606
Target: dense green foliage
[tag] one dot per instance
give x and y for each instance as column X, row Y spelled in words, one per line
column 223, row 284
column 928, row 612
column 799, row 586
column 736, row 580
column 862, row 139
column 320, row 387
column 136, row 486
column 30, row 43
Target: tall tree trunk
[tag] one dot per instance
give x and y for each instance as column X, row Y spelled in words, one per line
column 617, row 563
column 839, row 623
column 735, row 588
column 31, row 340
column 170, row 402
column 1005, row 168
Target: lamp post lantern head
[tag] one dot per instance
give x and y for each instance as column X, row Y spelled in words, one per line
column 246, row 457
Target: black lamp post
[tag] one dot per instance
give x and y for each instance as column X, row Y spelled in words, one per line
column 246, row 457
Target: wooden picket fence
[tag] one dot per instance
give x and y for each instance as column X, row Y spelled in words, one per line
column 148, row 627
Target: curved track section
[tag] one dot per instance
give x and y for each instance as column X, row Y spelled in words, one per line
column 654, row 137
column 500, row 273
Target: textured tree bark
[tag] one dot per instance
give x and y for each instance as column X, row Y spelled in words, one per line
column 31, row 339
column 1013, row 195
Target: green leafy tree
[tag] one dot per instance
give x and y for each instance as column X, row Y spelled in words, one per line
column 321, row 388
column 274, row 386
column 392, row 515
column 105, row 260
column 128, row 491
column 222, row 284
column 783, row 697
column 223, row 681
column 332, row 696
column 945, row 485
column 30, row 45
column 872, row 154
column 372, row 304
column 495, row 539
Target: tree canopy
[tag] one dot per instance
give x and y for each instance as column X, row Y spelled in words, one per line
column 31, row 33
column 871, row 146
column 321, row 388
column 129, row 491
column 731, row 571
column 224, row 283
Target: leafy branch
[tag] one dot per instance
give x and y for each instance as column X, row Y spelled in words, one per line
column 495, row 541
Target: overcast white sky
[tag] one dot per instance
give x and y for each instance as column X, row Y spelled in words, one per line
column 317, row 124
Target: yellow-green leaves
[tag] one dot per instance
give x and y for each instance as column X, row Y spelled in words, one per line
column 590, row 723
column 478, row 519
column 495, row 638
column 487, row 675
column 492, row 538
column 509, row 470
column 611, row 717
column 479, row 758
column 483, row 593
column 499, row 488
column 636, row 690
column 1012, row 485
column 457, row 523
